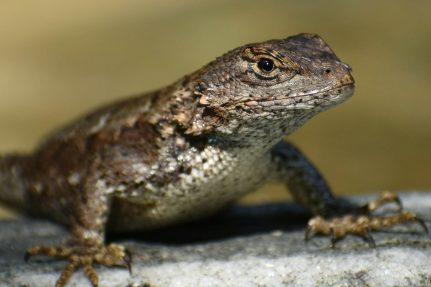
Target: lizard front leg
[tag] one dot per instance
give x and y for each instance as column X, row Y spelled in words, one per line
column 86, row 247
column 333, row 217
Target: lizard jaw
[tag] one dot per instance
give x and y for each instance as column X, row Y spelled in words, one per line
column 304, row 101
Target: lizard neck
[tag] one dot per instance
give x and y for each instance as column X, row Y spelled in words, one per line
column 179, row 110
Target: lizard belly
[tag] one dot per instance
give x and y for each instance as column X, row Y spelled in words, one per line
column 199, row 193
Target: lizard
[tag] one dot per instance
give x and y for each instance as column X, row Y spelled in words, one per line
column 187, row 150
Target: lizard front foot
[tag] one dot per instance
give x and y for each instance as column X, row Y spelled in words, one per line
column 361, row 224
column 85, row 256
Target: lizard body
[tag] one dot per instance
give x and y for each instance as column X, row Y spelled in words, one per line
column 187, row 149
column 182, row 152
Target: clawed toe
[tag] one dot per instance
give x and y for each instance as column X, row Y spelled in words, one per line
column 51, row 251
column 84, row 256
column 384, row 198
column 339, row 227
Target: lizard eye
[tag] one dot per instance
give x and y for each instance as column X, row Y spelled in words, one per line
column 265, row 65
column 266, row 68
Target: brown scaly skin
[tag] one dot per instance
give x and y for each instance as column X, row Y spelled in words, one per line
column 185, row 151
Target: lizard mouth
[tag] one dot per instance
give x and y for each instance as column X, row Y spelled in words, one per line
column 337, row 95
column 304, row 100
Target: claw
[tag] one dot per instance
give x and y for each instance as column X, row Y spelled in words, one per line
column 369, row 239
column 308, row 234
column 27, row 256
column 399, row 203
column 423, row 224
column 128, row 260
column 334, row 238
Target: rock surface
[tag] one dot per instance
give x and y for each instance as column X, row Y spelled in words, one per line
column 243, row 246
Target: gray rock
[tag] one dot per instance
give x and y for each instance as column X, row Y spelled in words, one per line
column 243, row 246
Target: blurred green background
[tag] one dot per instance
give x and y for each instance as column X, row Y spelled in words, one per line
column 60, row 59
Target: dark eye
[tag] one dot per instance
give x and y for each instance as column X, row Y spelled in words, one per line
column 266, row 65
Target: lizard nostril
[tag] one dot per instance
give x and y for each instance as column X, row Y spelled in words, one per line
column 327, row 71
column 348, row 79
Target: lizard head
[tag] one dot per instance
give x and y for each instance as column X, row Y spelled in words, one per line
column 273, row 86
